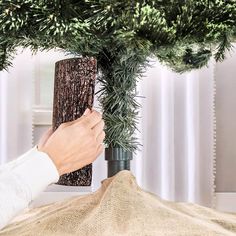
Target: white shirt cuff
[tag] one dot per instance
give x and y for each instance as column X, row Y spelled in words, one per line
column 36, row 170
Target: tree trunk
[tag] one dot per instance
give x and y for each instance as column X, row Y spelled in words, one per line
column 74, row 92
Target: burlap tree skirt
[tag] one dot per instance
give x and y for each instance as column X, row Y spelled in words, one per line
column 121, row 207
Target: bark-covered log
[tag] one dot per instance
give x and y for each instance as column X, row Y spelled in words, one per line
column 74, row 92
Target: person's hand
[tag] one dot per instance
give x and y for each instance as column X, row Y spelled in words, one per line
column 77, row 143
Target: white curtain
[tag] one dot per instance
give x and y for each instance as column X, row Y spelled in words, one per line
column 177, row 160
column 16, row 88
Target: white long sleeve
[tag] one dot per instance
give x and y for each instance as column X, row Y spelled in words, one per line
column 22, row 180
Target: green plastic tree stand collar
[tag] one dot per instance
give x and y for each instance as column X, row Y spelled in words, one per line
column 117, row 159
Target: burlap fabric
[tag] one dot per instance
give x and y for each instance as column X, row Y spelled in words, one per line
column 121, row 207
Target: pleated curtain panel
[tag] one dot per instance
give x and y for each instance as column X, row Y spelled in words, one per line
column 177, row 159
column 177, row 129
column 16, row 100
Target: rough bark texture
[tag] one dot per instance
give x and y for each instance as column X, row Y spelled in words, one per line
column 73, row 93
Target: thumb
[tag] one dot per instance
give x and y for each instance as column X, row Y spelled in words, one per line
column 45, row 138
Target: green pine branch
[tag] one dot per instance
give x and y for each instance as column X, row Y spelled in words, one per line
column 183, row 35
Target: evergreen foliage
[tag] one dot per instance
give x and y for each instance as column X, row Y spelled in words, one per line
column 182, row 34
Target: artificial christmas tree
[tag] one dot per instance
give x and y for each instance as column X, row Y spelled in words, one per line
column 121, row 35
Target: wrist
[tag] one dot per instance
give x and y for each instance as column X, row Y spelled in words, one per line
column 30, row 171
column 50, row 156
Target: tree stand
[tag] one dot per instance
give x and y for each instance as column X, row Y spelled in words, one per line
column 118, row 159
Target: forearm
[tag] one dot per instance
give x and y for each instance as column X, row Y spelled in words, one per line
column 22, row 180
